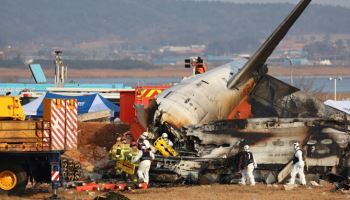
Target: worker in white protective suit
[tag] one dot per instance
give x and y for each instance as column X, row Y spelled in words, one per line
column 143, row 141
column 298, row 165
column 165, row 137
column 246, row 165
column 145, row 156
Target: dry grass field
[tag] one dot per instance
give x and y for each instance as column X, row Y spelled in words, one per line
column 173, row 71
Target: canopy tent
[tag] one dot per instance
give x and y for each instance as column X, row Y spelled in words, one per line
column 86, row 104
column 339, row 105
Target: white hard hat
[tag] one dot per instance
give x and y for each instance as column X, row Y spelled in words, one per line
column 246, row 147
column 164, row 135
column 145, row 133
column 296, row 144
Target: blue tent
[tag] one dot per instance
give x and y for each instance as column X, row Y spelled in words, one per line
column 86, row 104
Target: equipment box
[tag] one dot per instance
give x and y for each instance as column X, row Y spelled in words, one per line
column 24, row 136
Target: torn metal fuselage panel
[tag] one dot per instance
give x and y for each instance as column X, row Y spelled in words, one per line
column 212, row 147
column 271, row 139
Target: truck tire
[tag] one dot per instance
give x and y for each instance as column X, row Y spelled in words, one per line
column 71, row 169
column 13, row 179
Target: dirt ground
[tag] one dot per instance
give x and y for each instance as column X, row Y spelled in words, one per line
column 221, row 192
column 206, row 192
column 95, row 139
column 102, row 134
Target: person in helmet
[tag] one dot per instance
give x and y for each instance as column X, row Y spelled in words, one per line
column 134, row 149
column 165, row 137
column 246, row 166
column 128, row 137
column 298, row 165
column 145, row 156
column 143, row 141
column 200, row 66
column 114, row 153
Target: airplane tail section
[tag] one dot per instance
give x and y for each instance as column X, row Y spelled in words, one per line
column 256, row 63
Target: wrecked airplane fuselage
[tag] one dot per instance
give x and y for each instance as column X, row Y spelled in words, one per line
column 283, row 115
column 200, row 116
column 212, row 147
column 200, row 99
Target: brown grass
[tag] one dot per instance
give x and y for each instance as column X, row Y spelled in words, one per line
column 173, row 71
column 310, row 71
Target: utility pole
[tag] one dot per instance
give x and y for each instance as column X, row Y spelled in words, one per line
column 335, row 85
column 291, row 70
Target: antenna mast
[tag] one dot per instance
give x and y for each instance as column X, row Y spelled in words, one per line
column 60, row 71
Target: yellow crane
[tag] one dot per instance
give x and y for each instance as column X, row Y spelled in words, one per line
column 11, row 108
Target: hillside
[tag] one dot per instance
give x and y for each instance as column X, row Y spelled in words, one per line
column 146, row 24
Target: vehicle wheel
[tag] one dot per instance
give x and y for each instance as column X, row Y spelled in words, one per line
column 71, row 169
column 13, row 179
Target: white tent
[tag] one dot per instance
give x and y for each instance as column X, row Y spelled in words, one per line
column 86, row 104
column 339, row 105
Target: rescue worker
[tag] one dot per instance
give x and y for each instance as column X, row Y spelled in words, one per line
column 199, row 65
column 145, row 156
column 113, row 153
column 128, row 137
column 143, row 141
column 165, row 137
column 246, row 165
column 134, row 151
column 298, row 165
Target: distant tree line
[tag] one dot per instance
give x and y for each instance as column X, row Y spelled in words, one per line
column 15, row 62
column 327, row 48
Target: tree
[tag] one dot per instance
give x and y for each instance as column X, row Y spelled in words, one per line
column 319, row 48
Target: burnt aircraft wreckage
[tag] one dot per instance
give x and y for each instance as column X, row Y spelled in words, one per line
column 205, row 119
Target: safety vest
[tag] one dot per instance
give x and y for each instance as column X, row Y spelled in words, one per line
column 200, row 69
column 250, row 157
column 295, row 158
column 246, row 158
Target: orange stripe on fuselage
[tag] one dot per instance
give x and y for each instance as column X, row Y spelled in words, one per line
column 244, row 109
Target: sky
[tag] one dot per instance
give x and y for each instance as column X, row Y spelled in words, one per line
column 345, row 3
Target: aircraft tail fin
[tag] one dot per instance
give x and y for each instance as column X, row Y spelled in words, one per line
column 256, row 62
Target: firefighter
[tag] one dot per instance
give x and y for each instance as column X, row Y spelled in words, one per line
column 134, row 148
column 128, row 137
column 145, row 156
column 298, row 165
column 246, row 165
column 115, row 150
column 165, row 137
column 133, row 153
